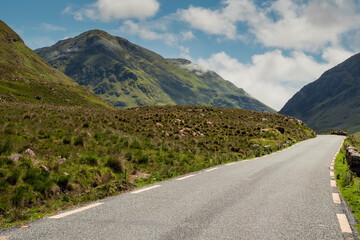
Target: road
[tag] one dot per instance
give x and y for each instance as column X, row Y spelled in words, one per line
column 286, row 195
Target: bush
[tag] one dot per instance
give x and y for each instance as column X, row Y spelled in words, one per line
column 66, row 140
column 117, row 164
column 22, row 195
column 6, row 147
column 79, row 141
column 13, row 177
column 63, row 181
column 89, row 159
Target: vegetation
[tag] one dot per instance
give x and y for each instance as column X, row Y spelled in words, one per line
column 25, row 77
column 128, row 75
column 52, row 157
column 348, row 181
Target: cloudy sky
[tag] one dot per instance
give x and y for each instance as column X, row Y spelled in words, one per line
column 269, row 48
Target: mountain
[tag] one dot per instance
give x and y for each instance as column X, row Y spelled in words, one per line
column 128, row 75
column 26, row 78
column 332, row 101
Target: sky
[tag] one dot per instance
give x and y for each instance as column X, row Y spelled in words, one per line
column 270, row 48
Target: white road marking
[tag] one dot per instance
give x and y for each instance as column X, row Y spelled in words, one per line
column 145, row 189
column 229, row 164
column 344, row 223
column 182, row 178
column 211, row 169
column 331, row 167
column 336, row 197
column 75, row 211
column 333, row 183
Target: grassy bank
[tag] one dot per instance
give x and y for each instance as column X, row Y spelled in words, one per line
column 55, row 157
column 348, row 182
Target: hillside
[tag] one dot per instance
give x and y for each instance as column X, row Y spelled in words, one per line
column 332, row 101
column 55, row 157
column 25, row 77
column 128, row 75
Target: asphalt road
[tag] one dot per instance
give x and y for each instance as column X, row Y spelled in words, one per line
column 286, row 195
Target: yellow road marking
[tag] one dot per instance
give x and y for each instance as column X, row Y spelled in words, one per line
column 333, row 183
column 336, row 197
column 344, row 223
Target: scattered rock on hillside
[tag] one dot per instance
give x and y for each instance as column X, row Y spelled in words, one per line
column 45, row 168
column 30, row 152
column 15, row 157
column 267, row 147
column 62, row 161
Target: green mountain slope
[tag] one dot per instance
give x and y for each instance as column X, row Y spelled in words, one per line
column 26, row 78
column 128, row 75
column 332, row 101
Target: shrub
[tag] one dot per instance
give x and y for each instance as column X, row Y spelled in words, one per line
column 79, row 141
column 63, row 181
column 117, row 164
column 22, row 195
column 6, row 147
column 89, row 159
column 66, row 140
column 13, row 177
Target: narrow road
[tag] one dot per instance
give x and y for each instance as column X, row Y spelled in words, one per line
column 286, row 195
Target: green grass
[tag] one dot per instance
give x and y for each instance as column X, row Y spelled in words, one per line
column 348, row 182
column 110, row 151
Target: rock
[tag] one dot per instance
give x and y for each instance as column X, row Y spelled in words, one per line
column 353, row 159
column 281, row 130
column 267, row 147
column 45, row 168
column 159, row 125
column 38, row 98
column 264, row 130
column 15, row 157
column 55, row 190
column 256, row 146
column 62, row 161
column 29, row 152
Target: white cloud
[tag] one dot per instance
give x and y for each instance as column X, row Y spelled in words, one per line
column 272, row 77
column 287, row 24
column 213, row 22
column 146, row 32
column 306, row 26
column 50, row 28
column 107, row 10
column 187, row 35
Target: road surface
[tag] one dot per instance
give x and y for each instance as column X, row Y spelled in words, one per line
column 286, row 195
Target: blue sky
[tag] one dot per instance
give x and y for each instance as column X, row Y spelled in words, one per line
column 269, row 48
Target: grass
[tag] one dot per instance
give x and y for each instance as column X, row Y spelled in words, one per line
column 83, row 154
column 348, row 181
